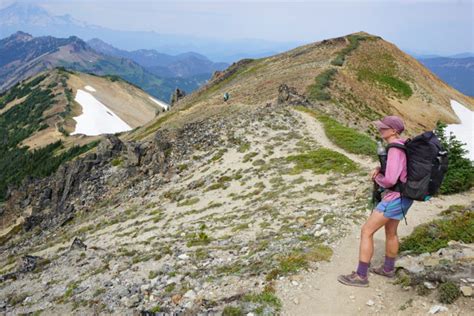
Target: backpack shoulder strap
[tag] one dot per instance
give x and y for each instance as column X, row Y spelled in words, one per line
column 396, row 145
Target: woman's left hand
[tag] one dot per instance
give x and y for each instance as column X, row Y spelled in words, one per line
column 375, row 172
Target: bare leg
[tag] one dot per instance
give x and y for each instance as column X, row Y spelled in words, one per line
column 374, row 223
column 359, row 278
column 391, row 238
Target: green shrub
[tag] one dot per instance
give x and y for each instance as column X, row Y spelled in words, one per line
column 232, row 311
column 189, row 201
column 354, row 41
column 322, row 160
column 422, row 290
column 198, row 238
column 316, row 91
column 265, row 298
column 300, row 259
column 117, row 161
column 155, row 309
column 434, row 235
column 448, row 293
column 460, row 175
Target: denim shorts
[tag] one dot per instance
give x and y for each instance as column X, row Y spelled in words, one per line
column 393, row 209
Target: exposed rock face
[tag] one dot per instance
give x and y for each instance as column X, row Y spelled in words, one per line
column 81, row 183
column 27, row 263
column 178, row 94
column 78, row 244
column 24, row 264
column 289, row 95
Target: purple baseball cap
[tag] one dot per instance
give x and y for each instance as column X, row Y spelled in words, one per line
column 391, row 122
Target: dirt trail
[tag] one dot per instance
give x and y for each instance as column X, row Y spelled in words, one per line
column 319, row 292
column 316, row 130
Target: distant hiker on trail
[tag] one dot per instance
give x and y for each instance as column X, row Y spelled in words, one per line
column 389, row 211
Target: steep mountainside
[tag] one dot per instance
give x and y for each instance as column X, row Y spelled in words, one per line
column 38, row 117
column 207, row 207
column 23, row 56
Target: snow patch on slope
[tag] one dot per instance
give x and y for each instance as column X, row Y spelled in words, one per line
column 96, row 118
column 89, row 88
column 164, row 105
column 464, row 131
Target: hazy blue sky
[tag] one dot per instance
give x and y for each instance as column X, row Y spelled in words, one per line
column 443, row 27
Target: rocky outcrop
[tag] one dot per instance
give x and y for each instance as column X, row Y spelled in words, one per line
column 81, row 183
column 178, row 94
column 78, row 244
column 25, row 264
column 289, row 95
column 453, row 263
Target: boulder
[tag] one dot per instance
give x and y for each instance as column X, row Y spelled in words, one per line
column 110, row 145
column 78, row 244
column 134, row 153
column 178, row 94
column 27, row 263
column 289, row 95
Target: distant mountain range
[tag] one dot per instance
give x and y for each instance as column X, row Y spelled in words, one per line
column 184, row 65
column 37, row 21
column 22, row 56
column 458, row 72
column 428, row 56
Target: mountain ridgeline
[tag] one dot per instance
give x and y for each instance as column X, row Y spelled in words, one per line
column 186, row 65
column 356, row 79
column 35, row 19
column 23, row 56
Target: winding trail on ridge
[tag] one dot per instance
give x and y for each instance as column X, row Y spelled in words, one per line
column 316, row 130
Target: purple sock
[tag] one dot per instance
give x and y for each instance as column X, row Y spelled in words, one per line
column 389, row 264
column 362, row 269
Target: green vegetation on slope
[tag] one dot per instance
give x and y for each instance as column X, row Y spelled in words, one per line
column 322, row 160
column 20, row 122
column 381, row 69
column 457, row 224
column 18, row 91
column 384, row 72
column 400, row 87
column 344, row 137
column 354, row 41
column 316, row 91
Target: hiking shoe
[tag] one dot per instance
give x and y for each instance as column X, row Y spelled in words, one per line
column 381, row 271
column 353, row 279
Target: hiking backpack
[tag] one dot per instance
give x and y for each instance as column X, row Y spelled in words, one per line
column 427, row 163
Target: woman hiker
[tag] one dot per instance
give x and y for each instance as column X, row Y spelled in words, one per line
column 388, row 212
